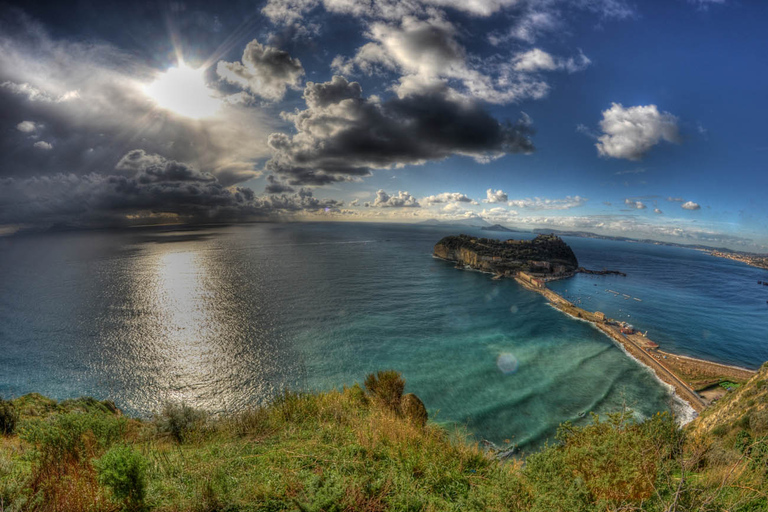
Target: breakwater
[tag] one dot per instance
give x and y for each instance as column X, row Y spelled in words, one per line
column 669, row 368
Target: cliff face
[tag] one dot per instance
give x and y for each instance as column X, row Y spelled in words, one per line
column 545, row 254
column 742, row 409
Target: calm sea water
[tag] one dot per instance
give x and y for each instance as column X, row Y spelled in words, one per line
column 224, row 318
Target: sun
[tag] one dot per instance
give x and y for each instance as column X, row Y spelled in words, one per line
column 183, row 91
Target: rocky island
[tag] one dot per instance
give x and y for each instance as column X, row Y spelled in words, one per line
column 546, row 256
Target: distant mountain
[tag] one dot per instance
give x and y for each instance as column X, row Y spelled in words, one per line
column 474, row 222
column 499, row 227
column 587, row 234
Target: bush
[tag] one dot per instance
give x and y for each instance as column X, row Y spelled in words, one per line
column 9, row 417
column 180, row 421
column 603, row 465
column 413, row 409
column 387, row 386
column 73, row 436
column 124, row 471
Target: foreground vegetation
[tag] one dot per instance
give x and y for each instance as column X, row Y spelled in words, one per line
column 370, row 448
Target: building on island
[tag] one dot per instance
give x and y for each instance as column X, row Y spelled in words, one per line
column 600, row 317
column 533, row 281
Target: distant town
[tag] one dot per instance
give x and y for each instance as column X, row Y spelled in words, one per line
column 755, row 260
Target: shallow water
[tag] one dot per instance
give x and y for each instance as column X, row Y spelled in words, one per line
column 224, row 318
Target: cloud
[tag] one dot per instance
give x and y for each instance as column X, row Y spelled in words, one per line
column 91, row 100
column 447, row 197
column 401, row 200
column 705, row 4
column 498, row 214
column 532, row 19
column 289, row 11
column 275, row 186
column 26, row 127
column 690, row 205
column 538, row 203
column 656, row 210
column 661, row 228
column 539, row 60
column 426, row 53
column 34, row 94
column 495, row 196
column 638, row 205
column 264, row 70
column 631, row 132
column 341, row 135
column 630, row 171
column 45, row 146
column 144, row 186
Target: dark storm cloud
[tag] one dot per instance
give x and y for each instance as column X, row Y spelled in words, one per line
column 342, row 136
column 275, row 186
column 147, row 186
column 264, row 70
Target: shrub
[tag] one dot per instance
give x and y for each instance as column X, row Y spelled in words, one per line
column 387, row 386
column 413, row 409
column 180, row 421
column 123, row 470
column 73, row 436
column 9, row 417
column 610, row 462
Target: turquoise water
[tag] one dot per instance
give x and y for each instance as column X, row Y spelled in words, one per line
column 225, row 318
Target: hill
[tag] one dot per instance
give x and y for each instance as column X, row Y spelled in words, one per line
column 371, row 449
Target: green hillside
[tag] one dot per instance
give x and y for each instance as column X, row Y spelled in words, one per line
column 370, row 448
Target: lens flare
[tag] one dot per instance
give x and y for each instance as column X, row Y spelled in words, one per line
column 507, row 363
column 183, row 91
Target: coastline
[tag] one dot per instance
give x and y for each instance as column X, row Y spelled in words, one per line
column 683, row 373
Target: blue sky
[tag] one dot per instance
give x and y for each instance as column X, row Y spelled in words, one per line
column 642, row 119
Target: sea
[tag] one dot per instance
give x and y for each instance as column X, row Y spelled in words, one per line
column 226, row 318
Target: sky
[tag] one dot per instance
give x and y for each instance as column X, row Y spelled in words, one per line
column 643, row 119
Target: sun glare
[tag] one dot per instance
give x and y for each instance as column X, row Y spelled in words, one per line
column 182, row 90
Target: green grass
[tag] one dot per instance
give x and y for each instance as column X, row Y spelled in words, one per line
column 357, row 450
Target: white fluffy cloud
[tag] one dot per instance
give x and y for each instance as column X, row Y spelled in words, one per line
column 631, row 132
column 538, row 203
column 495, row 196
column 26, row 126
column 426, row 53
column 638, row 205
column 45, row 146
column 264, row 70
column 447, row 197
column 401, row 200
column 539, row 60
column 657, row 210
column 690, row 205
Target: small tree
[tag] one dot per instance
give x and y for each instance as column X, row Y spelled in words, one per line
column 123, row 470
column 9, row 417
column 386, row 386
